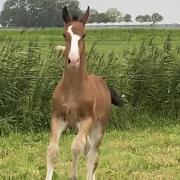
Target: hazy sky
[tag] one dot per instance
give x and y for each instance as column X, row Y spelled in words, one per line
column 170, row 9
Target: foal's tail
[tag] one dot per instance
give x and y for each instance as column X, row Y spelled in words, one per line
column 116, row 99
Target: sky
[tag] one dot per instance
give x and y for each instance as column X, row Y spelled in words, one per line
column 169, row 9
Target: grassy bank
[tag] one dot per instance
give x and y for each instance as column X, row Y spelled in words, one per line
column 133, row 154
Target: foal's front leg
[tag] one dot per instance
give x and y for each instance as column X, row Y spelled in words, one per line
column 78, row 145
column 58, row 125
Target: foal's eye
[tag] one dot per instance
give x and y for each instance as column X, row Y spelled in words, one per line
column 64, row 35
column 84, row 36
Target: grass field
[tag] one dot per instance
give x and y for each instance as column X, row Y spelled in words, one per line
column 147, row 148
column 107, row 41
column 150, row 154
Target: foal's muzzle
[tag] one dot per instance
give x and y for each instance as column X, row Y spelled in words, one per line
column 74, row 63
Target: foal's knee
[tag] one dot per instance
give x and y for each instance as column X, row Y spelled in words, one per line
column 52, row 153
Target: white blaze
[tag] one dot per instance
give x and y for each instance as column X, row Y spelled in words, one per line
column 74, row 49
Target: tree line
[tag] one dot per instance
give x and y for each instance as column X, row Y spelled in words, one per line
column 47, row 13
column 113, row 15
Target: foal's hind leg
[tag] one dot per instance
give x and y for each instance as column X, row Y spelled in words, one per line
column 57, row 127
column 87, row 146
column 92, row 156
column 79, row 143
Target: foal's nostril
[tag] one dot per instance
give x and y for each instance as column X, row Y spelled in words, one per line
column 73, row 62
column 69, row 61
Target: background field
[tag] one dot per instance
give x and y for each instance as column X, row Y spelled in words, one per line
column 144, row 65
column 109, row 40
column 142, row 141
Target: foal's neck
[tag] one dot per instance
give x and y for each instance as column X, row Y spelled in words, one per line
column 76, row 77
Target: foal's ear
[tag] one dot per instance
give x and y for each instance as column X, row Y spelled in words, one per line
column 65, row 15
column 85, row 16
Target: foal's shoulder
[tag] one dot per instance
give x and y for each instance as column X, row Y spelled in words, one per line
column 94, row 77
column 57, row 90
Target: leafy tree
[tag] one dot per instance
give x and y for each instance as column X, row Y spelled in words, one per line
column 94, row 15
column 140, row 19
column 128, row 18
column 156, row 17
column 93, row 11
column 102, row 17
column 98, row 17
column 14, row 13
column 147, row 18
column 43, row 13
column 38, row 13
column 114, row 15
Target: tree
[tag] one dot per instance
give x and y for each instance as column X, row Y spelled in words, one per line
column 93, row 11
column 93, row 15
column 147, row 18
column 128, row 18
column 41, row 13
column 114, row 15
column 156, row 17
column 36, row 13
column 102, row 17
column 13, row 13
column 140, row 18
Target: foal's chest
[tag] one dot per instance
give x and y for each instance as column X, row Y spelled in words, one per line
column 75, row 109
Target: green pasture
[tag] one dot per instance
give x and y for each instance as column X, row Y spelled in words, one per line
column 150, row 154
column 107, row 41
column 142, row 141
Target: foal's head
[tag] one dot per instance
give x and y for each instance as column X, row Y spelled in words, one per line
column 74, row 33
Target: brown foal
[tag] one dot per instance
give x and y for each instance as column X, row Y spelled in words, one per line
column 79, row 100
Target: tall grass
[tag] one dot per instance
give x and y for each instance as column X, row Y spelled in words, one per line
column 148, row 75
column 26, row 83
column 154, row 78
